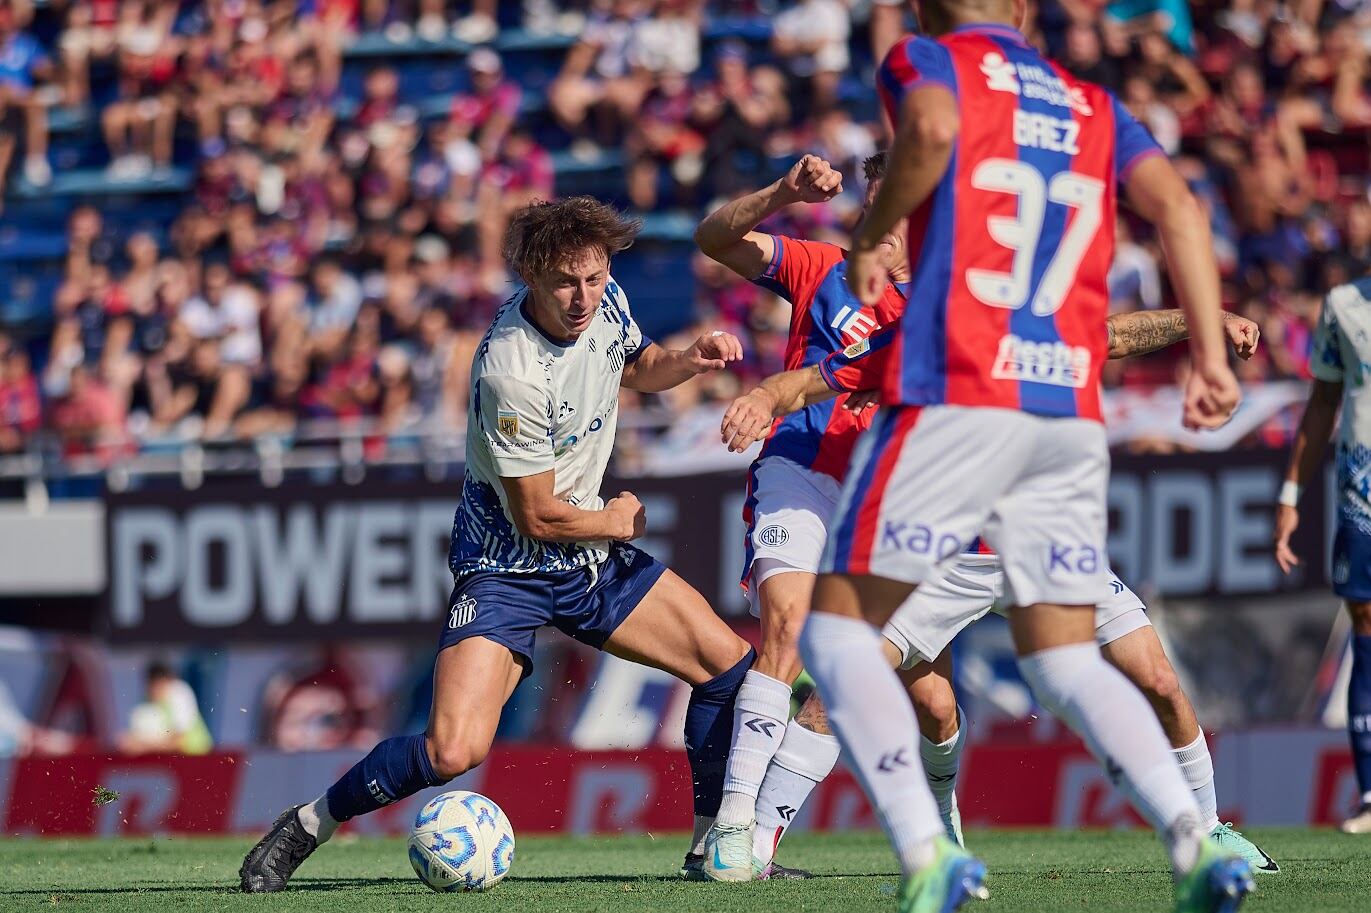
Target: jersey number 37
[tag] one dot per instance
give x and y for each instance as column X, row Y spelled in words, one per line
column 1022, row 232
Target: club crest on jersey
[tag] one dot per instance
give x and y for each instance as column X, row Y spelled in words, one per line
column 463, row 612
column 507, row 423
column 860, row 347
column 1053, row 363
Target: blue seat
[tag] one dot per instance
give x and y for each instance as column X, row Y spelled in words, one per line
column 659, row 283
column 378, row 45
column 88, row 182
column 19, row 245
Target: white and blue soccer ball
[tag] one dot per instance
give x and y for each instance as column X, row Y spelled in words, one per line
column 461, row 841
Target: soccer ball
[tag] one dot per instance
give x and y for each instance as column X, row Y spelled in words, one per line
column 461, row 841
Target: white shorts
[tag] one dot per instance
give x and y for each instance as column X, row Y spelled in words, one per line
column 926, row 622
column 787, row 511
column 926, row 482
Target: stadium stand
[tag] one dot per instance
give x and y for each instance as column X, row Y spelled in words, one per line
column 238, row 219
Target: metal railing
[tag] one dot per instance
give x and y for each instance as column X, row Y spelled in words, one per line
column 345, row 449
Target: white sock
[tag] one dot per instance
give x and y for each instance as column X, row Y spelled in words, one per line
column 802, row 762
column 1198, row 769
column 941, row 762
column 759, row 716
column 872, row 717
column 697, row 839
column 1121, row 731
column 317, row 820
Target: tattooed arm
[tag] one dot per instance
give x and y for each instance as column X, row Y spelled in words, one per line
column 1141, row 332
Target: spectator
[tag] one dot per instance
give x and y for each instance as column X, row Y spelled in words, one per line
column 812, row 38
column 21, row 411
column 1134, row 280
column 89, row 35
column 520, row 174
column 169, row 720
column 1161, row 119
column 1085, row 57
column 1178, row 81
column 229, row 312
column 599, row 88
column 488, row 110
column 736, row 113
column 478, row 26
column 24, row 68
column 436, row 370
column 202, row 391
column 138, row 124
column 335, row 297
column 88, row 418
column 661, row 137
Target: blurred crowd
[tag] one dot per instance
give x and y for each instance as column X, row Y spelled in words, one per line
column 338, row 257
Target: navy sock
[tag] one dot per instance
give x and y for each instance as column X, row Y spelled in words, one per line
column 1359, row 710
column 396, row 768
column 709, row 732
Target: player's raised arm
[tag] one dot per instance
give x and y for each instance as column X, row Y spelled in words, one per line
column 1159, row 194
column 927, row 127
column 1141, row 332
column 727, row 236
column 657, row 368
column 750, row 416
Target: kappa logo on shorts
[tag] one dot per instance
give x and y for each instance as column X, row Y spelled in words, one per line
column 1073, row 559
column 919, row 539
column 463, row 612
column 1342, row 571
column 774, row 536
column 626, row 555
column 507, row 423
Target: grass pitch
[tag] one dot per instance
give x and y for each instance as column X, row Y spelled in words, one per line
column 1102, row 872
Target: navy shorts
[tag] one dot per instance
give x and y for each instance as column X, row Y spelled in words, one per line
column 583, row 603
column 1352, row 560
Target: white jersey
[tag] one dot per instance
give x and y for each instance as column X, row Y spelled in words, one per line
column 540, row 404
column 1342, row 353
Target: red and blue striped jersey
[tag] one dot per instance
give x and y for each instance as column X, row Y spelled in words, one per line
column 824, row 317
column 862, row 365
column 1011, row 251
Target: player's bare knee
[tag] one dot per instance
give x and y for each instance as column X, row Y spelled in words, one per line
column 454, row 753
column 936, row 705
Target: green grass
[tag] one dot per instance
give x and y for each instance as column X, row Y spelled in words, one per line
column 1102, row 872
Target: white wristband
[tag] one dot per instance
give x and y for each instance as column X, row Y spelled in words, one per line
column 1290, row 494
